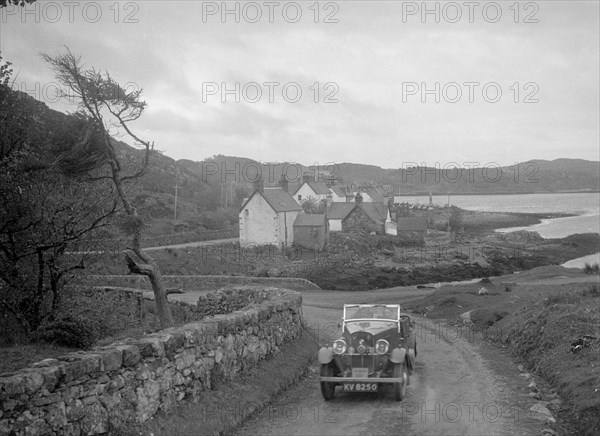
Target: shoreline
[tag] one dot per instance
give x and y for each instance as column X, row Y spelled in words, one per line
column 482, row 252
column 426, row 193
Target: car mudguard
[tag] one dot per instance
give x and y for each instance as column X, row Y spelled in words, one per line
column 325, row 355
column 398, row 355
column 411, row 360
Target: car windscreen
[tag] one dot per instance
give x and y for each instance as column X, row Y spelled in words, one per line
column 371, row 312
column 372, row 326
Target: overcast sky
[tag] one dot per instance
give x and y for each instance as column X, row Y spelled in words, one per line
column 370, row 61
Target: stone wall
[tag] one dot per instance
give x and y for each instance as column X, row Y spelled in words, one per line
column 106, row 388
column 197, row 283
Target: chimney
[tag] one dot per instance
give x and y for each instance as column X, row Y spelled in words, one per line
column 329, row 200
column 358, row 198
column 259, row 185
column 283, row 182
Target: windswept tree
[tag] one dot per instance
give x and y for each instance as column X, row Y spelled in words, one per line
column 112, row 108
column 22, row 3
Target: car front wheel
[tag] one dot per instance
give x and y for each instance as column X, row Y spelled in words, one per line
column 327, row 388
column 400, row 388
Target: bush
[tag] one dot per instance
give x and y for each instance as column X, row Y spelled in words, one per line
column 591, row 269
column 69, row 331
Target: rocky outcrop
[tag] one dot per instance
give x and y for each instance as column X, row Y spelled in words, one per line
column 93, row 392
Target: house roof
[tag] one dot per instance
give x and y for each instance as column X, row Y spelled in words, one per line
column 412, row 224
column 339, row 210
column 374, row 194
column 374, row 211
column 278, row 199
column 318, row 187
column 382, row 209
column 309, row 220
column 338, row 191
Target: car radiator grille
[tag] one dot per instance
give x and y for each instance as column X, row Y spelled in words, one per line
column 370, row 361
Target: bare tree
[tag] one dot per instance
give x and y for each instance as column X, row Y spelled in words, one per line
column 112, row 108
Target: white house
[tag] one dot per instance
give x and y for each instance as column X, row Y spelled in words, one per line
column 336, row 212
column 371, row 195
column 267, row 217
column 338, row 195
column 316, row 190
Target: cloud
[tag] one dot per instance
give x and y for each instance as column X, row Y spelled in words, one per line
column 172, row 53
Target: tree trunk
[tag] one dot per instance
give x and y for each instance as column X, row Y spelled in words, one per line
column 150, row 270
column 160, row 298
column 138, row 261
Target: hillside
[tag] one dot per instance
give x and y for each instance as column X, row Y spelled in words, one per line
column 536, row 176
column 559, row 175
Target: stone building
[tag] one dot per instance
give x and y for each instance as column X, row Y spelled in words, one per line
column 311, row 231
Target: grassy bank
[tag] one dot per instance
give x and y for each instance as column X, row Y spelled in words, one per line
column 539, row 315
column 559, row 339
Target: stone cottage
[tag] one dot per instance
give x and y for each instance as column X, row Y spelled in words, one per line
column 311, row 231
column 412, row 229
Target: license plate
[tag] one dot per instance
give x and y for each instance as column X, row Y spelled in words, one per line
column 360, row 387
column 360, row 372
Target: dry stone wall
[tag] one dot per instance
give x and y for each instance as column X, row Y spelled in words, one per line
column 197, row 283
column 88, row 393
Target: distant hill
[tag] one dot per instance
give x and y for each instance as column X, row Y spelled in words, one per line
column 541, row 176
column 559, row 175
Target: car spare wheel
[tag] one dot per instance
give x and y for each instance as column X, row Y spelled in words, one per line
column 399, row 388
column 327, row 388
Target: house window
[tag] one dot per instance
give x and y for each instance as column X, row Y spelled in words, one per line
column 246, row 211
column 299, row 197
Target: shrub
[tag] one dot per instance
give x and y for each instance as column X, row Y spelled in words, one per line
column 69, row 331
column 508, row 288
column 591, row 269
column 593, row 292
column 485, row 280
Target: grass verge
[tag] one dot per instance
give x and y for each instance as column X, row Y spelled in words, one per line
column 539, row 314
column 221, row 411
column 545, row 334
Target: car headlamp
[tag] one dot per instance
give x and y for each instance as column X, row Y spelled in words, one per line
column 382, row 346
column 339, row 346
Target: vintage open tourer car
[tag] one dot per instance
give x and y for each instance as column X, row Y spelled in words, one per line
column 377, row 346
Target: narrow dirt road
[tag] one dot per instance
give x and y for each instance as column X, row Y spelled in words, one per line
column 193, row 244
column 453, row 389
